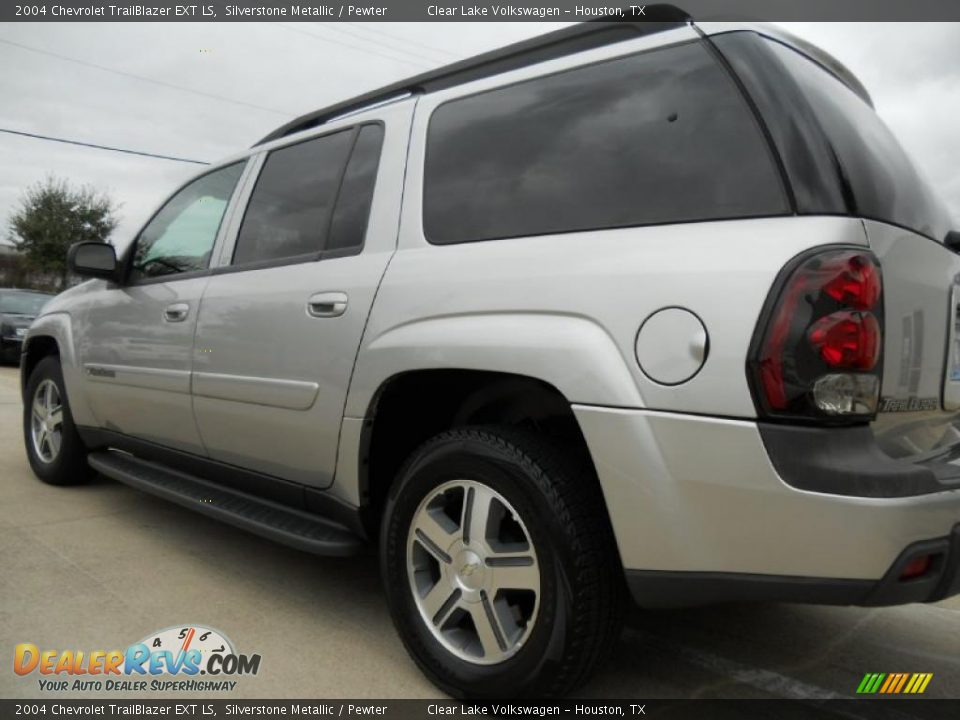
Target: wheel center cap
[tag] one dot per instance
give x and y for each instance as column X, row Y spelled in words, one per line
column 470, row 570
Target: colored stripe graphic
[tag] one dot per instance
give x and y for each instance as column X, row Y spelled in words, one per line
column 890, row 686
column 920, row 683
column 870, row 683
column 903, row 680
column 894, row 683
column 885, row 688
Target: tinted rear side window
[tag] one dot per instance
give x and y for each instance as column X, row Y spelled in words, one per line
column 290, row 209
column 659, row 137
column 349, row 224
column 876, row 176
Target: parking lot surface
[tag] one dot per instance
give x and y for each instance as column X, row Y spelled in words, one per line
column 102, row 566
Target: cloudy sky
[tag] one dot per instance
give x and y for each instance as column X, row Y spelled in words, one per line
column 207, row 90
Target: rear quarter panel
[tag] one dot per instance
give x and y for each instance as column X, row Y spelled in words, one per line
column 566, row 308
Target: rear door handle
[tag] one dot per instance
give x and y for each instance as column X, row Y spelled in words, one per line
column 176, row 313
column 327, row 304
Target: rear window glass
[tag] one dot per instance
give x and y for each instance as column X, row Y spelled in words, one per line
column 879, row 180
column 659, row 137
column 23, row 303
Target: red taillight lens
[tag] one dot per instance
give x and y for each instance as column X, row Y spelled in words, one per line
column 856, row 281
column 819, row 352
column 847, row 339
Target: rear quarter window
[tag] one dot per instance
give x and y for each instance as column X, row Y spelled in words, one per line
column 877, row 176
column 663, row 136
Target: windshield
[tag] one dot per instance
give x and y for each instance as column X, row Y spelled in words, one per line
column 22, row 303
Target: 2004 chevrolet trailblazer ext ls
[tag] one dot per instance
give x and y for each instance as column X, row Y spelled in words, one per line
column 653, row 309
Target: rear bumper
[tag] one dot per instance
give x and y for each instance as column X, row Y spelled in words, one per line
column 703, row 512
column 848, row 461
column 652, row 588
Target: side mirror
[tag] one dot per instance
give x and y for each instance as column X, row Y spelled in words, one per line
column 952, row 240
column 93, row 259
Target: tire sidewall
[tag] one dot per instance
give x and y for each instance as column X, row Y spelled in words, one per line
column 478, row 461
column 64, row 469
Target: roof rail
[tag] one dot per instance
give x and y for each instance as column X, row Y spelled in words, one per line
column 557, row 44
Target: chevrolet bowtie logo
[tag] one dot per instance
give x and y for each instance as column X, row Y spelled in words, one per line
column 469, row 569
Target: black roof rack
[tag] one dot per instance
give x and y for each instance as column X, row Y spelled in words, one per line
column 560, row 43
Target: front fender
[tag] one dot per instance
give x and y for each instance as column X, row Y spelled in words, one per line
column 58, row 327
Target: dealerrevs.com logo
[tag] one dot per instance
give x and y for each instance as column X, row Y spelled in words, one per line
column 169, row 660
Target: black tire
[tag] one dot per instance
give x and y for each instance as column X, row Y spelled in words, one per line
column 582, row 586
column 69, row 466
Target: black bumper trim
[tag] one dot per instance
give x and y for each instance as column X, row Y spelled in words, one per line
column 848, row 461
column 663, row 589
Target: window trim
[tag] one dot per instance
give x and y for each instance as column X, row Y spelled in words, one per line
column 301, row 259
column 354, row 130
column 771, row 150
column 127, row 262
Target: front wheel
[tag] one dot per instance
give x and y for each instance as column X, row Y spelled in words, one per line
column 54, row 448
column 499, row 564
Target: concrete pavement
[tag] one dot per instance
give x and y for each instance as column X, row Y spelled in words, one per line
column 101, row 566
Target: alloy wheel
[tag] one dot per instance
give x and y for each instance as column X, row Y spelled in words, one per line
column 473, row 572
column 46, row 421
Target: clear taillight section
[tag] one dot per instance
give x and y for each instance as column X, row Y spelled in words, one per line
column 819, row 349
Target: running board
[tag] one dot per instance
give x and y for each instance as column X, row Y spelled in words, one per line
column 296, row 528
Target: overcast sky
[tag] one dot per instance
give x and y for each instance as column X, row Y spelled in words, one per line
column 206, row 90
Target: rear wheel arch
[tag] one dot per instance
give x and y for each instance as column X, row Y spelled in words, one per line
column 410, row 408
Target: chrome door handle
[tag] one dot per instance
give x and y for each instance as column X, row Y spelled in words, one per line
column 327, row 304
column 176, row 313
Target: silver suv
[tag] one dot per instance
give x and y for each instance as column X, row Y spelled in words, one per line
column 654, row 309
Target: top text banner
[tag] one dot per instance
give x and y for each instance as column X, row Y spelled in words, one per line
column 431, row 10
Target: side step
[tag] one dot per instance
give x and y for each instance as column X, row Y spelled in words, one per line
column 268, row 519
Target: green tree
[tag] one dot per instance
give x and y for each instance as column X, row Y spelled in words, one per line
column 52, row 216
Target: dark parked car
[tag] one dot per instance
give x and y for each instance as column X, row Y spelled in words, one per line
column 18, row 308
